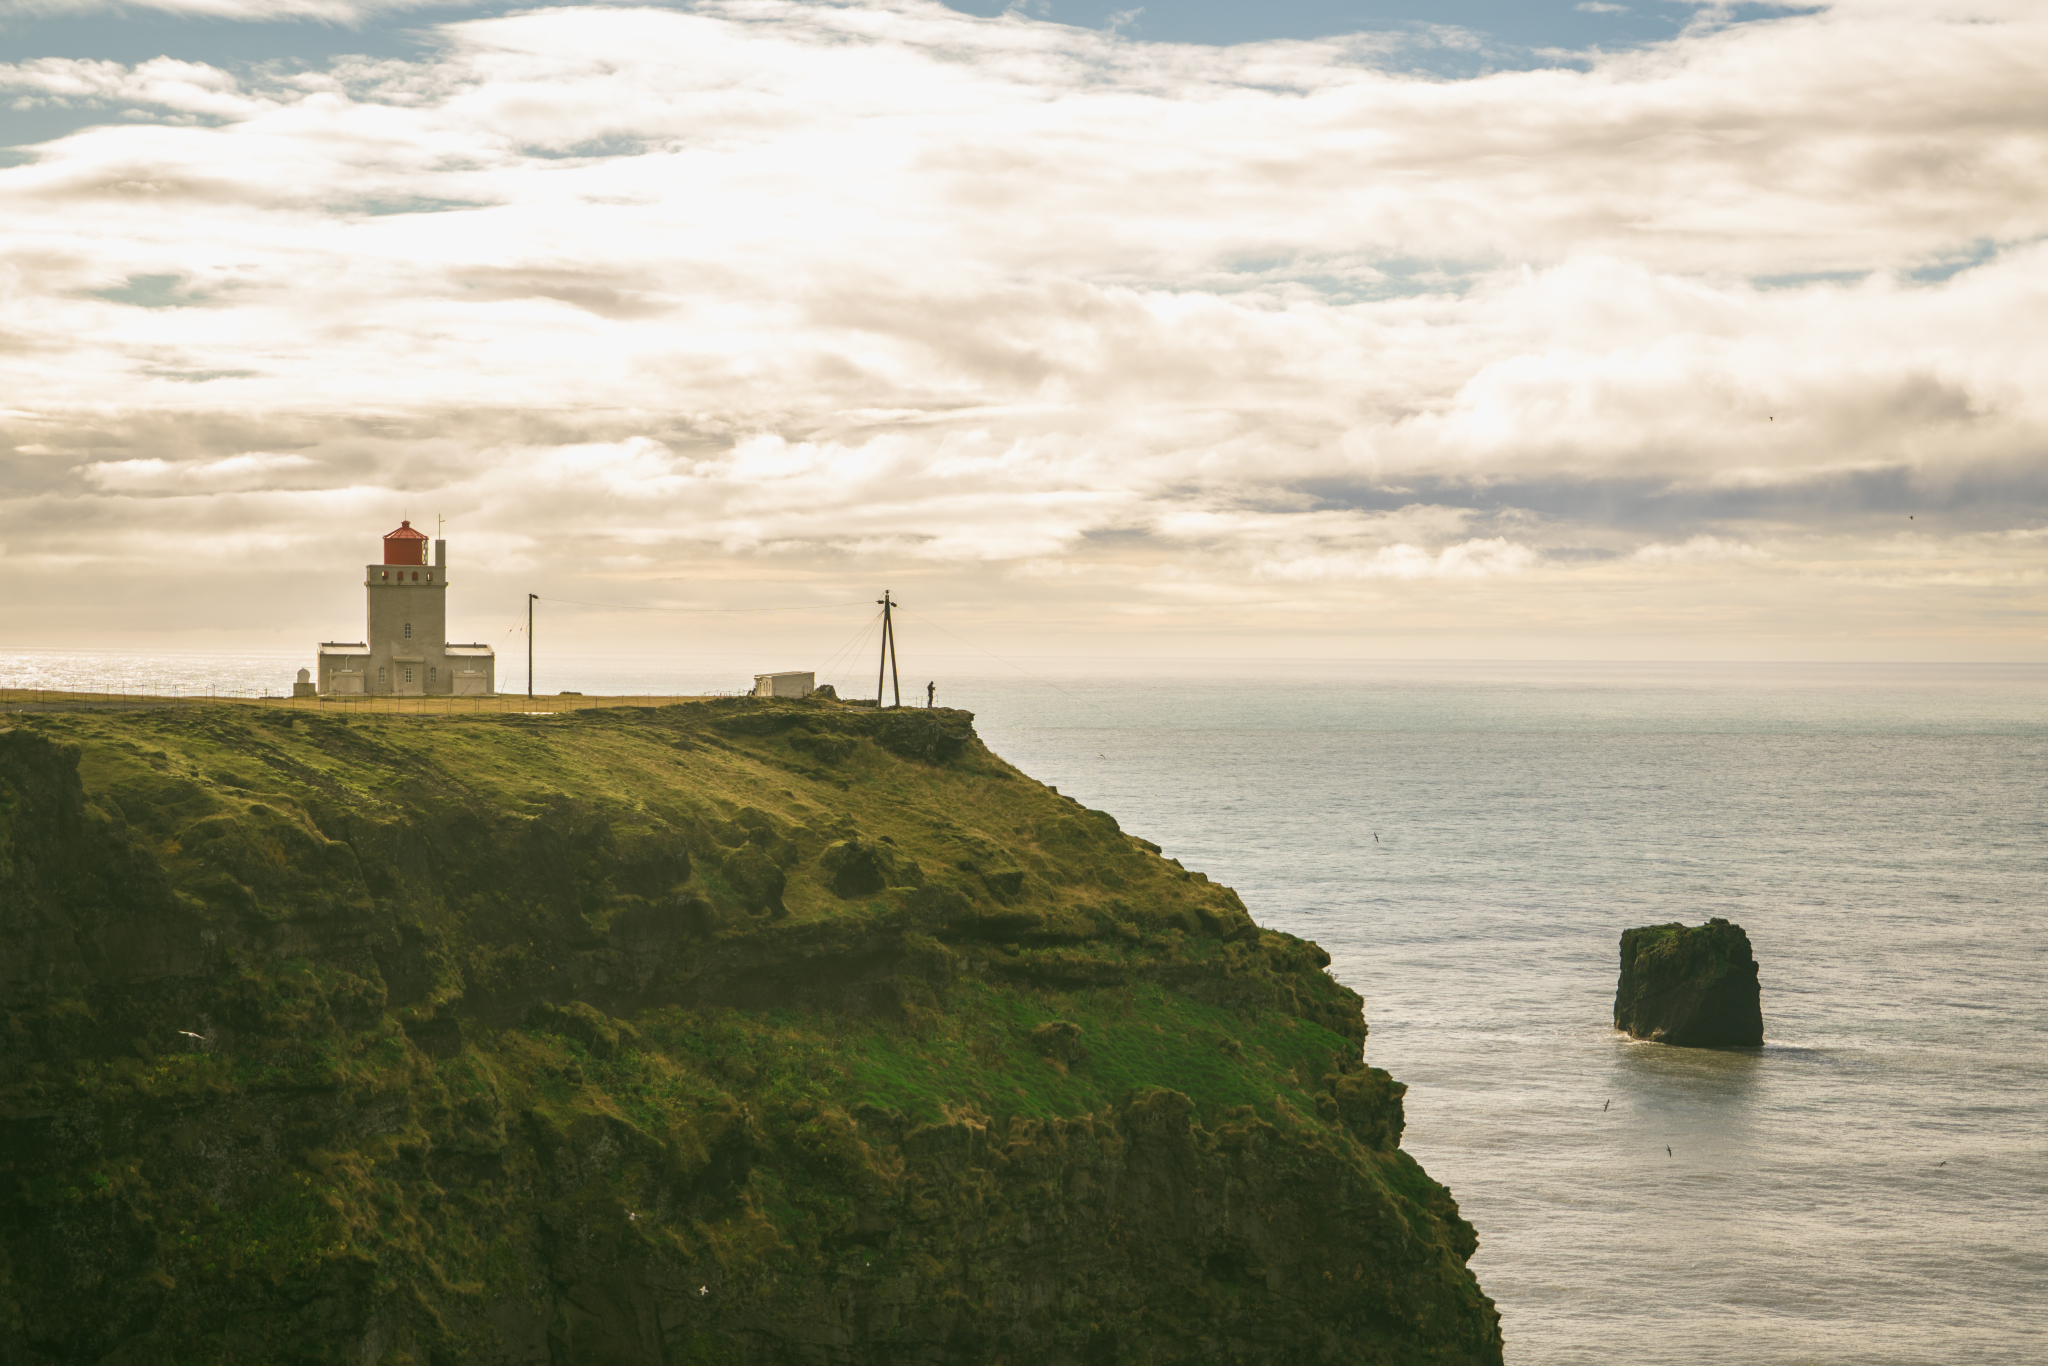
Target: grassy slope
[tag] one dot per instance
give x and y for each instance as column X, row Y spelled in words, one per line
column 549, row 1030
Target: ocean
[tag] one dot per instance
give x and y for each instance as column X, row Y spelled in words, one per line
column 1468, row 841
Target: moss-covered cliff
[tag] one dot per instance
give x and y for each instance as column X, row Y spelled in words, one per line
column 725, row 1032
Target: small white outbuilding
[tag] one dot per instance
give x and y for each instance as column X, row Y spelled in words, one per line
column 785, row 685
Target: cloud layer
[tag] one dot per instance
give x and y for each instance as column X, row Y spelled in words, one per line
column 333, row 11
column 770, row 293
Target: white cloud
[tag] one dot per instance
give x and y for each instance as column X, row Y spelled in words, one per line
column 1474, row 559
column 253, row 470
column 162, row 83
column 880, row 283
column 1702, row 550
column 333, row 11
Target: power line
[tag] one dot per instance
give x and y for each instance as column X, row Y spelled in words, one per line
column 1161, row 607
column 1013, row 664
column 840, row 660
column 627, row 607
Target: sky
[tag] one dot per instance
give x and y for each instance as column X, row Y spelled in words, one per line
column 1380, row 330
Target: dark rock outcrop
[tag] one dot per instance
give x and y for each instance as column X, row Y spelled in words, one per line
column 1694, row 986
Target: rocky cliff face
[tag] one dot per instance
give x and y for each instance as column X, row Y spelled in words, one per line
column 1692, row 986
column 730, row 1032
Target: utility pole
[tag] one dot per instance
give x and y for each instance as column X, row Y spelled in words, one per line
column 887, row 663
column 529, row 643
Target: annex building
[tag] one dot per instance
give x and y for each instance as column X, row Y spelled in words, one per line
column 405, row 651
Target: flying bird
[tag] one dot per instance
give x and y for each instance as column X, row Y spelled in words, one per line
column 190, row 1035
column 1604, row 1104
column 1667, row 1150
column 1375, row 837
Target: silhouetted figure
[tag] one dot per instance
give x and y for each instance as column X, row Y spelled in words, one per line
column 929, row 690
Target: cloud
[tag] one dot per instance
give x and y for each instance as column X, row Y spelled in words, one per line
column 254, row 470
column 1702, row 550
column 663, row 295
column 332, row 11
column 165, row 84
column 1467, row 560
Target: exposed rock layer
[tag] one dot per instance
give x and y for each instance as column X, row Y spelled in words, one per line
column 752, row 1032
column 1692, row 986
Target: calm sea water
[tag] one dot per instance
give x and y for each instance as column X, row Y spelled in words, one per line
column 1870, row 1187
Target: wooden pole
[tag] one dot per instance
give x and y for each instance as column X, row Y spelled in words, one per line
column 529, row 643
column 895, row 682
column 886, row 667
column 882, row 663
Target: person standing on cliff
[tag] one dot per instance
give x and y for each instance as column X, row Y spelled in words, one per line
column 929, row 689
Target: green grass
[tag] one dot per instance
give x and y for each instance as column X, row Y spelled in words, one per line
column 307, row 849
column 1141, row 1038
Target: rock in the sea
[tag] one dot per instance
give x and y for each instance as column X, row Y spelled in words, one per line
column 1694, row 986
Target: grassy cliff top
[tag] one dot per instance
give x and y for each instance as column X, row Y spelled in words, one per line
column 732, row 978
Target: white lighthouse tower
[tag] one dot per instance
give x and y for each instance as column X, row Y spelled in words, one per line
column 406, row 652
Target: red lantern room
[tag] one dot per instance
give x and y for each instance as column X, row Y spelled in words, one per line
column 405, row 546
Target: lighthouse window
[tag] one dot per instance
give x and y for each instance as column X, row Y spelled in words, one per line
column 408, row 673
column 408, row 630
column 380, row 675
column 434, row 675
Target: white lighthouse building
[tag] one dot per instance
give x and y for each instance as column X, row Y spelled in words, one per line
column 406, row 651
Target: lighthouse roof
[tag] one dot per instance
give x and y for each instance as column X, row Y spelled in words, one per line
column 405, row 533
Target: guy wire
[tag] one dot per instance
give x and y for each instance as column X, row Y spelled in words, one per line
column 1096, row 706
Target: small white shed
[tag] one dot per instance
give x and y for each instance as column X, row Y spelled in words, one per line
column 785, row 685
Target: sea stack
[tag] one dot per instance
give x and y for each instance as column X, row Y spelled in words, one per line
column 1691, row 986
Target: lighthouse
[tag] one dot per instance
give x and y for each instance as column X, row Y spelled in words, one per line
column 405, row 651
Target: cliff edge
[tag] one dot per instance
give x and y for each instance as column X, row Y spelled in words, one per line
column 739, row 1031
